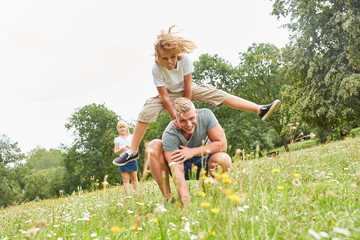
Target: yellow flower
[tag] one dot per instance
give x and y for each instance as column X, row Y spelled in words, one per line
column 228, row 191
column 280, row 187
column 155, row 220
column 194, row 167
column 202, row 194
column 226, row 180
column 296, row 175
column 205, row 204
column 116, row 229
column 134, row 228
column 234, row 197
column 275, row 170
column 211, row 233
column 214, row 210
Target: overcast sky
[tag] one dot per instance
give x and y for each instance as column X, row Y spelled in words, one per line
column 56, row 56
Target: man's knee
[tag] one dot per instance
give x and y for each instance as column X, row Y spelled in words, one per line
column 222, row 159
column 155, row 147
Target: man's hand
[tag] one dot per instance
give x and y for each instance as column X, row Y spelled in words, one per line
column 183, row 154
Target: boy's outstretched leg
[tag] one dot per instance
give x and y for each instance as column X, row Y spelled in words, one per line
column 264, row 111
column 132, row 153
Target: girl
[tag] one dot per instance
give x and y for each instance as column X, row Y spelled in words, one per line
column 172, row 78
column 128, row 170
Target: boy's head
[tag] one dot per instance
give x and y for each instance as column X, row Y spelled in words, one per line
column 168, row 46
column 186, row 114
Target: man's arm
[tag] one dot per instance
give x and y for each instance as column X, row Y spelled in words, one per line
column 218, row 144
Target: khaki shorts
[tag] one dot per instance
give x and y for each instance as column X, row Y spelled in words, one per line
column 200, row 93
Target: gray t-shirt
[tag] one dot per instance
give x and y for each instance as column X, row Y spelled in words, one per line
column 172, row 137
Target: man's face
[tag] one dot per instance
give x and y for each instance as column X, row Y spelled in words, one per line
column 187, row 121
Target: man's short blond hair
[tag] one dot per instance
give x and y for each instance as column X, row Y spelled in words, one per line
column 182, row 105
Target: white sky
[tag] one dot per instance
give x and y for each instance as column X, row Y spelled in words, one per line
column 56, row 56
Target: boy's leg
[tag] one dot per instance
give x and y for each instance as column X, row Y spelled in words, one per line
column 139, row 132
column 242, row 104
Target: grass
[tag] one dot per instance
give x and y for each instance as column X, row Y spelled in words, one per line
column 307, row 194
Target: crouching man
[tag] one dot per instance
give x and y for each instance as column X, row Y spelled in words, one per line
column 196, row 133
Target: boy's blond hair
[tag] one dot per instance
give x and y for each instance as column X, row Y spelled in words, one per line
column 170, row 41
column 182, row 105
column 123, row 124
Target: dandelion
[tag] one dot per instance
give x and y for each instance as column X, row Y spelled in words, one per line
column 226, row 180
column 209, row 181
column 275, row 170
column 228, row 191
column 155, row 220
column 279, row 187
column 211, row 232
column 214, row 210
column 205, row 204
column 202, row 194
column 296, row 175
column 116, row 229
column 134, row 228
column 296, row 182
column 234, row 197
column 194, row 167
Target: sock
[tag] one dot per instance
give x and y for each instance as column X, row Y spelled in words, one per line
column 131, row 152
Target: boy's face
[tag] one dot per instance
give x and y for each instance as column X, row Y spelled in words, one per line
column 168, row 58
column 187, row 121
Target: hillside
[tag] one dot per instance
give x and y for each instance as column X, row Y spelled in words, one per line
column 307, row 194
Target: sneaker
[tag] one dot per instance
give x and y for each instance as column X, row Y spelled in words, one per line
column 125, row 158
column 267, row 110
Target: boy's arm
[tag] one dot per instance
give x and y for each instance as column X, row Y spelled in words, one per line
column 166, row 101
column 187, row 85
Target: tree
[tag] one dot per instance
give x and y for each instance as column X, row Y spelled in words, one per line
column 10, row 171
column 258, row 78
column 91, row 154
column 323, row 60
column 44, row 173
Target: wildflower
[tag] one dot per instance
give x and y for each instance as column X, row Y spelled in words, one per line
column 93, row 235
column 193, row 237
column 155, row 220
column 275, row 170
column 211, row 232
column 160, row 208
column 194, row 167
column 226, row 180
column 314, row 234
column 205, row 204
column 202, row 194
column 280, row 187
column 234, row 197
column 116, row 229
column 134, row 228
column 296, row 182
column 296, row 175
column 32, row 232
column 342, row 231
column 209, row 181
column 228, row 191
column 312, row 135
column 214, row 210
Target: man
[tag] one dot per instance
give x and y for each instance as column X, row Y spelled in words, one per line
column 199, row 134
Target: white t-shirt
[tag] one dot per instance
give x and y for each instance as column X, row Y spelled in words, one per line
column 123, row 142
column 172, row 79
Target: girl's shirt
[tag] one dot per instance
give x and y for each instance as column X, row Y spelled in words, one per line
column 173, row 80
column 123, row 142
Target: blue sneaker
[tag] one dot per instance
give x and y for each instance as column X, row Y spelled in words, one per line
column 267, row 110
column 124, row 158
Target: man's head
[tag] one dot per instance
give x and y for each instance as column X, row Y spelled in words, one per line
column 186, row 114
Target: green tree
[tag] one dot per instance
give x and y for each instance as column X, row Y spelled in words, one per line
column 44, row 173
column 323, row 60
column 258, row 78
column 10, row 171
column 91, row 154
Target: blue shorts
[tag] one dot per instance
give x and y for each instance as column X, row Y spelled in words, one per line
column 200, row 162
column 129, row 167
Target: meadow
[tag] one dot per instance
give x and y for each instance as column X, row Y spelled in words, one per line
column 312, row 193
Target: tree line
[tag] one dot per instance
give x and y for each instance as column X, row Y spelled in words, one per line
column 316, row 76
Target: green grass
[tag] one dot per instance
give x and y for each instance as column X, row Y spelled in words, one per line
column 307, row 194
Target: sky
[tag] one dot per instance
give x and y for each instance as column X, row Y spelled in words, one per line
column 58, row 56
